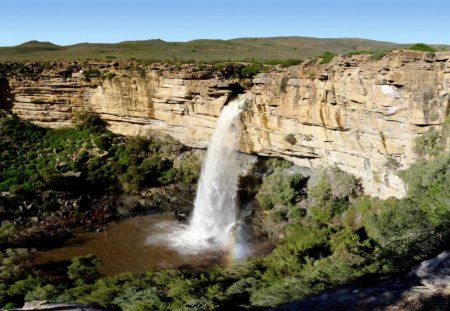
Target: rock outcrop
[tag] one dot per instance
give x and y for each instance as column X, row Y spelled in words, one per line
column 355, row 112
column 45, row 305
column 425, row 287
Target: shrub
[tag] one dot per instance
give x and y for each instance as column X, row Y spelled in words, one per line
column 392, row 164
column 276, row 163
column 132, row 180
column 7, row 231
column 83, row 269
column 251, row 70
column 421, row 47
column 91, row 73
column 378, row 55
column 430, row 143
column 290, row 138
column 403, row 231
column 297, row 213
column 288, row 257
column 351, row 53
column 429, row 186
column 284, row 84
column 280, row 188
column 326, row 204
column 280, row 214
column 343, row 185
column 186, row 170
column 102, row 142
column 108, row 76
column 290, row 62
column 87, row 120
column 42, row 292
column 135, row 298
column 152, row 168
column 23, row 286
column 13, row 265
column 346, row 240
column 332, row 193
column 326, row 58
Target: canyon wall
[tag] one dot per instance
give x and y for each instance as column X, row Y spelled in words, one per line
column 360, row 114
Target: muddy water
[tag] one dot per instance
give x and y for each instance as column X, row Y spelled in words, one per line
column 123, row 247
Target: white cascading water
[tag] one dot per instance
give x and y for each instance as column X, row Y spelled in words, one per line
column 215, row 204
column 215, row 209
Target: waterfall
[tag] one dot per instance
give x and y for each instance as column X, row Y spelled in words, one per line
column 215, row 204
column 215, row 210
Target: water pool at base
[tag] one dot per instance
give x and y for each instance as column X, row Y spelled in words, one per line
column 123, row 247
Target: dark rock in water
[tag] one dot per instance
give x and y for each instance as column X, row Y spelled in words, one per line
column 71, row 174
column 45, row 305
column 181, row 217
column 248, row 211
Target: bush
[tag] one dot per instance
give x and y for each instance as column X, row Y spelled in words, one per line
column 290, row 62
column 42, row 292
column 326, row 205
column 185, row 170
column 91, row 73
column 404, row 233
column 378, row 55
column 87, row 120
column 7, row 231
column 290, row 138
column 326, row 57
column 430, row 143
column 280, row 188
column 392, row 164
column 22, row 287
column 251, row 70
column 275, row 163
column 84, row 269
column 421, row 47
column 284, row 84
column 332, row 193
column 13, row 265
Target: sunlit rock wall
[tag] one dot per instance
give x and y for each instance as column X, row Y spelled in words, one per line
column 355, row 112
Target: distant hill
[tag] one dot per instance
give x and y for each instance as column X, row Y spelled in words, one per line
column 274, row 48
column 38, row 44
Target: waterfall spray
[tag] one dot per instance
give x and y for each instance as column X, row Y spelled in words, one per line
column 215, row 210
column 215, row 204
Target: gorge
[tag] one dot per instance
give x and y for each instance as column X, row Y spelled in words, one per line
column 355, row 112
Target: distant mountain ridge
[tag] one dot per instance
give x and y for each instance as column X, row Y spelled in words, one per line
column 239, row 49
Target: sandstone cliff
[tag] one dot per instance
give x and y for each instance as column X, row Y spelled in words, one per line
column 354, row 112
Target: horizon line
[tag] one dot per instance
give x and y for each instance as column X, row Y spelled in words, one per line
column 213, row 39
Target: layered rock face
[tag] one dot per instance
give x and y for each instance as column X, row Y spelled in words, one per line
column 359, row 114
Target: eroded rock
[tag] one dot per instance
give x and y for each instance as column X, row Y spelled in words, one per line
column 354, row 112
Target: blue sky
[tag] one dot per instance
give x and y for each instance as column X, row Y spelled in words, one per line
column 72, row 21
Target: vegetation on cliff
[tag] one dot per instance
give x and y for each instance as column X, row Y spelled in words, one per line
column 72, row 176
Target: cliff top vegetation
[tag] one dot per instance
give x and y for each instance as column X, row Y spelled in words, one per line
column 274, row 48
